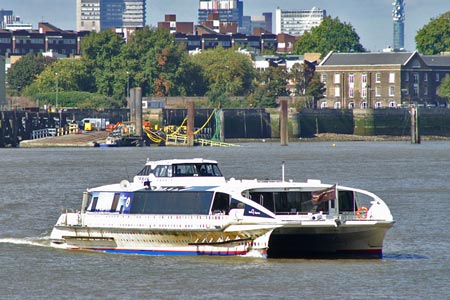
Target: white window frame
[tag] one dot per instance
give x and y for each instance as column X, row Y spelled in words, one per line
column 364, row 104
column 351, row 92
column 337, row 105
column 391, row 77
column 337, row 78
column 351, row 105
column 391, row 91
column 324, row 104
column 378, row 91
column 378, row 77
column 378, row 104
column 337, row 91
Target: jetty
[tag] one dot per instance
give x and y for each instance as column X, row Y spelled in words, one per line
column 85, row 139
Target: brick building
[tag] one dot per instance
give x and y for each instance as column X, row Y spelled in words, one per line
column 379, row 80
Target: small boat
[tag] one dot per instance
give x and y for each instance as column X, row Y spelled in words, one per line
column 186, row 207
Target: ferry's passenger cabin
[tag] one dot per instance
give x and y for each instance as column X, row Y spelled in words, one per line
column 178, row 172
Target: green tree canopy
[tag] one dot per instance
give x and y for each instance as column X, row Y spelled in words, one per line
column 444, row 87
column 227, row 72
column 330, row 35
column 434, row 37
column 272, row 83
column 70, row 74
column 101, row 54
column 24, row 71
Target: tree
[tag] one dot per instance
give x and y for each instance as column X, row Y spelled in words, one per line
column 330, row 35
column 434, row 37
column 227, row 72
column 157, row 64
column 25, row 70
column 71, row 74
column 301, row 75
column 100, row 53
column 444, row 88
column 272, row 83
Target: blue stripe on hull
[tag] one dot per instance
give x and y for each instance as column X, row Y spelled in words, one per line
column 168, row 253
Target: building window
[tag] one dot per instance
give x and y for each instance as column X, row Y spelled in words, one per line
column 425, row 76
column 364, row 78
column 378, row 104
column 363, row 104
column 391, row 91
column 406, row 76
column 351, row 92
column 337, row 78
column 416, row 90
column 323, row 78
column 425, row 91
column 337, row 91
column 416, row 77
column 364, row 91
column 378, row 77
column 351, row 105
column 392, row 104
column 377, row 91
column 323, row 105
column 337, row 105
column 391, row 77
column 351, row 78
column 437, row 77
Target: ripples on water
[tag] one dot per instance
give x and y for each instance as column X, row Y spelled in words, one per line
column 37, row 184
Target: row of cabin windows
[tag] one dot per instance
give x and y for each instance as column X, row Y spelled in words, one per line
column 351, row 77
column 165, row 202
column 300, row 202
column 181, row 170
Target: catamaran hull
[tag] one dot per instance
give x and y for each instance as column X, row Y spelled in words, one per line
column 157, row 243
column 365, row 241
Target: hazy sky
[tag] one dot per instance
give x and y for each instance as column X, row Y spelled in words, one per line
column 371, row 19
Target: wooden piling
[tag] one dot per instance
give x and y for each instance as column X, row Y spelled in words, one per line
column 415, row 135
column 190, row 123
column 132, row 105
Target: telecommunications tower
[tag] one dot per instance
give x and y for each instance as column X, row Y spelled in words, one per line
column 398, row 16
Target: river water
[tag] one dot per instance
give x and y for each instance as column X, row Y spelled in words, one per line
column 38, row 184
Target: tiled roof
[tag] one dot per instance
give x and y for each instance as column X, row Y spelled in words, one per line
column 352, row 59
column 437, row 60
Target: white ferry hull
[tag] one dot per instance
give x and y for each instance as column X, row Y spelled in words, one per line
column 353, row 241
column 253, row 242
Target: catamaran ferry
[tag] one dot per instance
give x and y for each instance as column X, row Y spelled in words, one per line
column 186, row 207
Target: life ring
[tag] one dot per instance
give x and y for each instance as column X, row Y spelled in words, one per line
column 361, row 213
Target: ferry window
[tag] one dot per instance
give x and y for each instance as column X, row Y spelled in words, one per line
column 221, row 203
column 145, row 171
column 170, row 202
column 236, row 204
column 94, row 204
column 265, row 199
column 207, row 170
column 183, row 170
column 115, row 202
column 346, row 201
column 161, row 171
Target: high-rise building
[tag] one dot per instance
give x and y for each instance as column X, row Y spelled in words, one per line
column 227, row 10
column 96, row 15
column 297, row 21
column 398, row 16
column 4, row 16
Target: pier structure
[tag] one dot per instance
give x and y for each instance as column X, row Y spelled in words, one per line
column 18, row 125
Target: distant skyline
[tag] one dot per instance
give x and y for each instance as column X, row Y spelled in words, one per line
column 372, row 20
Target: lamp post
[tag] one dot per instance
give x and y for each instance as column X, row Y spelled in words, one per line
column 56, row 91
column 128, row 85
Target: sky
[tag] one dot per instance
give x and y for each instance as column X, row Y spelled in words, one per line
column 371, row 19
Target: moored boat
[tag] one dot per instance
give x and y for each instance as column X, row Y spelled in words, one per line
column 186, row 207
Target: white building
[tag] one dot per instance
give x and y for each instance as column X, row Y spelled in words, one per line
column 96, row 15
column 296, row 22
